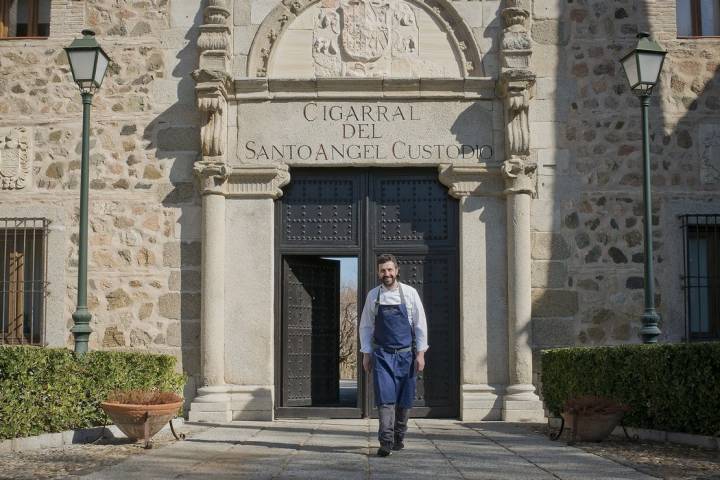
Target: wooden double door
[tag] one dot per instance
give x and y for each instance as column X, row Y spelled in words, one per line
column 361, row 214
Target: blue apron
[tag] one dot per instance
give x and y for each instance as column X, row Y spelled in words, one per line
column 393, row 356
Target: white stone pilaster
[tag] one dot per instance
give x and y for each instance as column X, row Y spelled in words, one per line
column 483, row 360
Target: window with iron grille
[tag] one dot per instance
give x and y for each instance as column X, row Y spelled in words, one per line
column 701, row 280
column 698, row 18
column 24, row 18
column 23, row 243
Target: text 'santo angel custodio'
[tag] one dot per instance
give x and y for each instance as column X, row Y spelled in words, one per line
column 362, row 138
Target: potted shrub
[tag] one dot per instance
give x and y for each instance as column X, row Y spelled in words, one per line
column 142, row 413
column 592, row 418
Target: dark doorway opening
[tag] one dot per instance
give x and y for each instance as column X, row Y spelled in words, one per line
column 328, row 216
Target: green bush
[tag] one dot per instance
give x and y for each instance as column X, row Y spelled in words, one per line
column 672, row 387
column 50, row 390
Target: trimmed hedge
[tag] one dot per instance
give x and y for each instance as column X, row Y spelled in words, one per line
column 672, row 387
column 46, row 390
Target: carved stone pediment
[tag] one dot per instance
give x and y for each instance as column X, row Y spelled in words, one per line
column 14, row 158
column 366, row 38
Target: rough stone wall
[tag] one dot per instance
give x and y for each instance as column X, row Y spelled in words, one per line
column 144, row 213
column 586, row 134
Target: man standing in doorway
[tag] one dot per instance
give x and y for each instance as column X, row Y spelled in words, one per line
column 393, row 341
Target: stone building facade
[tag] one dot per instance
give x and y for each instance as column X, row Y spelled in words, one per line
column 519, row 107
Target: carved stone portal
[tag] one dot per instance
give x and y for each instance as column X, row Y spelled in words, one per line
column 14, row 159
column 363, row 38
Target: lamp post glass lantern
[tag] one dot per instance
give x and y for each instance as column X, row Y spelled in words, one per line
column 88, row 63
column 642, row 68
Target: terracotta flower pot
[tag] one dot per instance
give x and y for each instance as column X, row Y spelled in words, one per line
column 593, row 427
column 140, row 421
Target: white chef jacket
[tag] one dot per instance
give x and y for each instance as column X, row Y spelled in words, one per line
column 416, row 315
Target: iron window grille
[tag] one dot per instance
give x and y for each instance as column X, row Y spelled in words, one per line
column 23, row 243
column 701, row 279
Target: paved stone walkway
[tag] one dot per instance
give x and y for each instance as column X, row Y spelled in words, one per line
column 345, row 450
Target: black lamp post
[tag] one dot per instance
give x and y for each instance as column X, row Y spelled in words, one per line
column 642, row 67
column 88, row 63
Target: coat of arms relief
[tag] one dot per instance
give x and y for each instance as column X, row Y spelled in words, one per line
column 14, row 158
column 367, row 38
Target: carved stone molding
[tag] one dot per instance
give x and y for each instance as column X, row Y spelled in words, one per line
column 277, row 22
column 212, row 177
column 261, row 181
column 520, row 176
column 471, row 180
column 214, row 40
column 14, row 158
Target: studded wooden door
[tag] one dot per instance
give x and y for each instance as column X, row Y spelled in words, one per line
column 414, row 218
column 364, row 213
column 311, row 312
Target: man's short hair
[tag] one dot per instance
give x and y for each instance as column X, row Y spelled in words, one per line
column 386, row 257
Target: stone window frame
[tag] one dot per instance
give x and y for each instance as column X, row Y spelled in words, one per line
column 34, row 24
column 695, row 12
column 701, row 227
column 55, row 331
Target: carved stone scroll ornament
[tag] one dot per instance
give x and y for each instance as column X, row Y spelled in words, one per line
column 517, row 103
column 213, row 138
column 14, row 159
column 211, row 92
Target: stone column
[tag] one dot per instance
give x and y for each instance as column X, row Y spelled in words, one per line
column 516, row 85
column 521, row 403
column 213, row 401
column 483, row 318
column 213, row 81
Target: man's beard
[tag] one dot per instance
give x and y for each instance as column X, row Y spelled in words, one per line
column 388, row 281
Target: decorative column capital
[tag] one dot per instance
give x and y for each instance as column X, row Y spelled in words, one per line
column 520, row 176
column 471, row 180
column 258, row 181
column 212, row 177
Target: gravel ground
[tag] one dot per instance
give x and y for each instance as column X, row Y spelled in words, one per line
column 80, row 459
column 661, row 460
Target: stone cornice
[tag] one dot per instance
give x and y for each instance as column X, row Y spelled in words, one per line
column 472, row 180
column 257, row 181
column 258, row 89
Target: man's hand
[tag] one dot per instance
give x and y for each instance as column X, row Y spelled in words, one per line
column 367, row 362
column 420, row 362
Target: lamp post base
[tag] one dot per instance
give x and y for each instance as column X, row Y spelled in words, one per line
column 81, row 330
column 650, row 331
